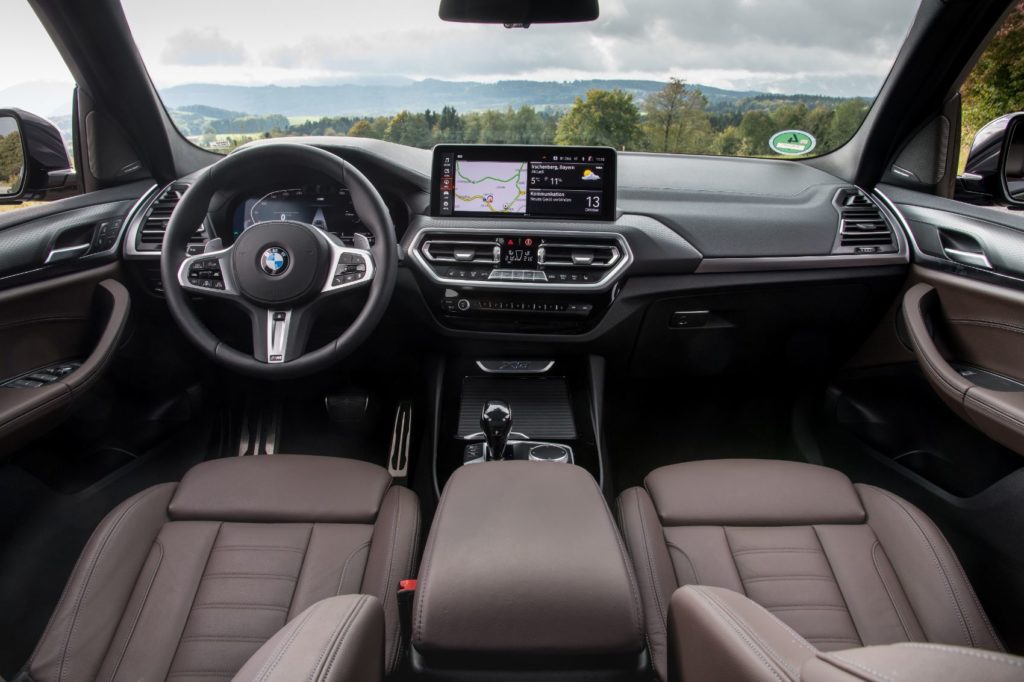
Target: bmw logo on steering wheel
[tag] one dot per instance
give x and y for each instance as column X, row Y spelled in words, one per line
column 274, row 261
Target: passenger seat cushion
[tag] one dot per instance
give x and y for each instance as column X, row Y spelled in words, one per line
column 844, row 566
column 335, row 640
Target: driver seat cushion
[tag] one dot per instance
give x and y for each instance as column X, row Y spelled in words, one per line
column 188, row 580
column 843, row 565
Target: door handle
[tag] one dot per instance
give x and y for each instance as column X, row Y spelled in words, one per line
column 976, row 258
column 66, row 253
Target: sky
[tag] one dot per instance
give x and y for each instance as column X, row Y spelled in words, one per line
column 830, row 47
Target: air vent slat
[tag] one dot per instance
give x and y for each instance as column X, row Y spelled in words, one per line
column 154, row 225
column 862, row 226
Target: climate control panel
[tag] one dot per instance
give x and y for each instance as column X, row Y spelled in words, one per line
column 521, row 259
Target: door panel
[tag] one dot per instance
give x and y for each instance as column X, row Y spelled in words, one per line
column 63, row 310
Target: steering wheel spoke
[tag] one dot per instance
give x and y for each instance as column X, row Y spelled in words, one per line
column 209, row 274
column 351, row 268
column 280, row 334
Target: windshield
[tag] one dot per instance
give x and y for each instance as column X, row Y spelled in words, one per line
column 769, row 78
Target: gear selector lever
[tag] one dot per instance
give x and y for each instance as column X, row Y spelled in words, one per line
column 496, row 423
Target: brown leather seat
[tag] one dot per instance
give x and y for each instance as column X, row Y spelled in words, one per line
column 188, row 580
column 843, row 565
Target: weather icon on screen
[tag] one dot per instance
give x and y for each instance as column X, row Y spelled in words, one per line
column 590, row 175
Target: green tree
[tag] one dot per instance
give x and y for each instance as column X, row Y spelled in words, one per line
column 996, row 85
column 756, row 128
column 409, row 129
column 360, row 128
column 676, row 120
column 11, row 162
column 846, row 120
column 605, row 117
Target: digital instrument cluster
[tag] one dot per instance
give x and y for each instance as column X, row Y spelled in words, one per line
column 326, row 207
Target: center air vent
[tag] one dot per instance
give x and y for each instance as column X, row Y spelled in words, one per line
column 579, row 254
column 154, row 225
column 461, row 250
column 863, row 228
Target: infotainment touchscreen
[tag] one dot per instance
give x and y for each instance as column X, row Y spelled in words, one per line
column 509, row 181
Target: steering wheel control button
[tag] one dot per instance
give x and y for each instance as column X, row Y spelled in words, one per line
column 275, row 261
column 206, row 273
column 351, row 267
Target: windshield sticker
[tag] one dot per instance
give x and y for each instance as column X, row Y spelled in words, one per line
column 792, row 142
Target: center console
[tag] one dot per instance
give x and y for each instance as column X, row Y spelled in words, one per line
column 520, row 238
column 524, row 577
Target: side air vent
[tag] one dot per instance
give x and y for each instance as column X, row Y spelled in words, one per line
column 579, row 254
column 863, row 228
column 154, row 225
column 461, row 250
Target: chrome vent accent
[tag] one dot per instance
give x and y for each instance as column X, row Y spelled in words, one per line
column 461, row 250
column 154, row 224
column 863, row 228
column 579, row 254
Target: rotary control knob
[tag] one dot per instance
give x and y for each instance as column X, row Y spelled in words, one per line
column 549, row 452
column 463, row 304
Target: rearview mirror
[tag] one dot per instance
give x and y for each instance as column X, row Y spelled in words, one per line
column 519, row 12
column 12, row 158
column 33, row 157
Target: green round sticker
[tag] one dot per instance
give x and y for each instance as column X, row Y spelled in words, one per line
column 792, row 142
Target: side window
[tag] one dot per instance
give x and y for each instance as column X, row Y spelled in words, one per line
column 991, row 162
column 35, row 116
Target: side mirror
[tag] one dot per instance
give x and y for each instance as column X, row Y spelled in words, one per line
column 33, row 158
column 994, row 172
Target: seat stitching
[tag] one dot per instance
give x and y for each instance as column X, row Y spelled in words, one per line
column 834, row 639
column 228, row 606
column 302, row 564
column 753, row 643
column 138, row 614
column 638, row 618
column 223, row 638
column 735, row 566
column 662, row 610
column 206, row 565
column 788, row 578
column 863, row 668
column 344, row 568
column 418, row 630
column 268, row 576
column 268, row 548
column 396, row 628
column 776, row 550
column 693, row 568
column 798, row 639
column 972, row 593
column 409, row 574
column 888, row 592
column 84, row 589
column 336, row 643
column 807, row 607
column 282, row 648
column 976, row 653
column 621, row 517
column 950, row 590
column 839, row 588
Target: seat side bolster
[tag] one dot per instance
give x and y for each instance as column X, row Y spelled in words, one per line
column 79, row 633
column 718, row 634
column 340, row 639
column 931, row 575
column 652, row 565
column 394, row 550
column 908, row 661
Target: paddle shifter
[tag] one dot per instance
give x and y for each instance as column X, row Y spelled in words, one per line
column 496, row 423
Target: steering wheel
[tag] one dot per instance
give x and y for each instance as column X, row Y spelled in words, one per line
column 282, row 273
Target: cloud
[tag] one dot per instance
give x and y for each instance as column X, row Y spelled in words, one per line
column 816, row 46
column 206, row 47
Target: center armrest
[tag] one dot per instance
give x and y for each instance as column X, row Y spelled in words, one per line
column 525, row 565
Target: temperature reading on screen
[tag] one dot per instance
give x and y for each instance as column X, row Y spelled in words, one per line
column 518, row 252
